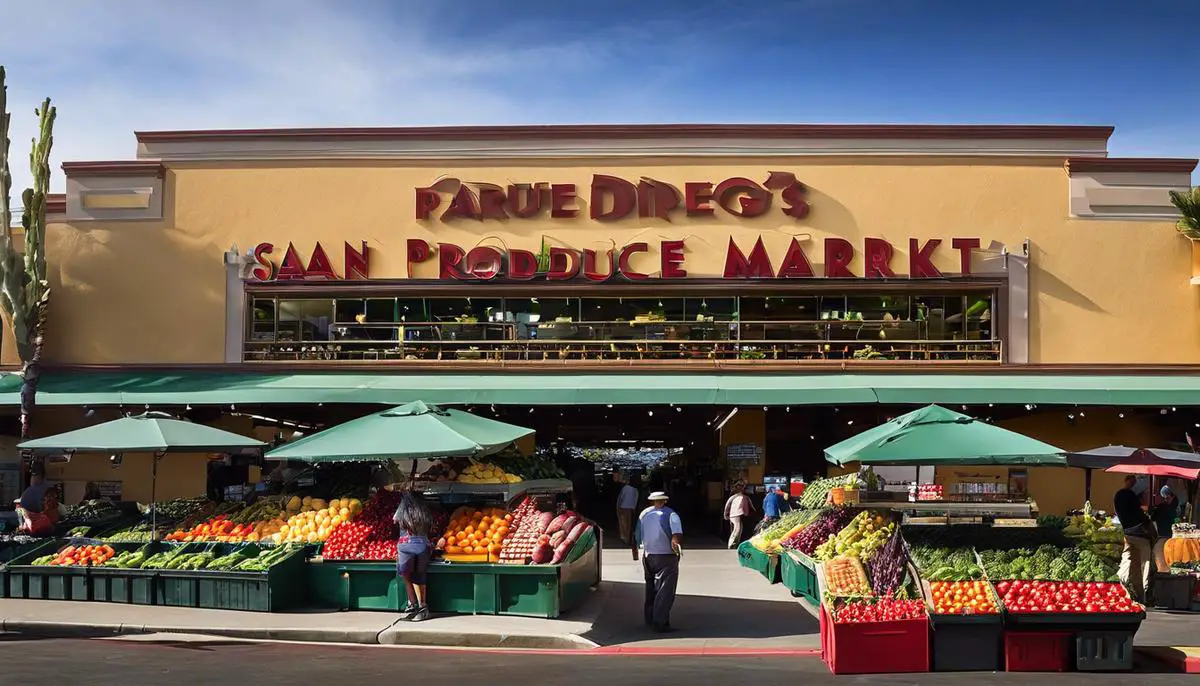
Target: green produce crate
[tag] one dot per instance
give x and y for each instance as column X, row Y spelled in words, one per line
column 763, row 563
column 283, row 586
column 526, row 590
column 799, row 575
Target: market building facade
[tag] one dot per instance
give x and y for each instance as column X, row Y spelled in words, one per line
column 766, row 268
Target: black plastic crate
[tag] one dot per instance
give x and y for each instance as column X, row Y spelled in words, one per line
column 967, row 643
column 1174, row 591
column 1104, row 651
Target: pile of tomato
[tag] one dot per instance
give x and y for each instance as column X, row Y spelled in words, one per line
column 1065, row 596
column 882, row 610
column 962, row 598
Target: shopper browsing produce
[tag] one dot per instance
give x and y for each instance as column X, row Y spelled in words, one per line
column 774, row 505
column 1137, row 558
column 31, row 507
column 413, row 552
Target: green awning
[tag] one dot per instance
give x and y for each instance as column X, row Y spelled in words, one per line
column 934, row 435
column 412, row 431
column 157, row 388
column 147, row 433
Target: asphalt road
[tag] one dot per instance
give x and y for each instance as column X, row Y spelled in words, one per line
column 60, row 662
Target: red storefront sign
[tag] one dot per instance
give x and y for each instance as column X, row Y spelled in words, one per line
column 294, row 268
column 610, row 198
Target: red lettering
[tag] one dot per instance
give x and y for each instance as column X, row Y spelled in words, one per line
column 522, row 265
column 358, row 263
column 319, row 266
column 427, row 201
column 561, row 196
column 758, row 266
column 623, row 261
column 752, row 199
column 920, row 259
column 265, row 270
column 491, row 202
column 656, row 199
column 964, row 246
column 696, row 198
column 838, row 254
column 564, row 264
column 795, row 263
column 878, row 257
column 418, row 251
column 462, row 206
column 623, row 193
column 292, row 267
column 450, row 256
column 793, row 196
column 672, row 258
column 589, row 266
column 483, row 262
column 525, row 200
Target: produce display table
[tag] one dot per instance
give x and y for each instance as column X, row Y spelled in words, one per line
column 766, row 564
column 481, row 588
column 798, row 573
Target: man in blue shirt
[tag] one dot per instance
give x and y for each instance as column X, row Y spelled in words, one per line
column 774, row 505
column 660, row 531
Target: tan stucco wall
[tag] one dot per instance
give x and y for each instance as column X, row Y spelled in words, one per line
column 1104, row 291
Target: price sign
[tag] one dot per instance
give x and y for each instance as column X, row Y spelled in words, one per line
column 743, row 453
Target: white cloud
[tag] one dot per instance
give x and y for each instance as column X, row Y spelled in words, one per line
column 112, row 68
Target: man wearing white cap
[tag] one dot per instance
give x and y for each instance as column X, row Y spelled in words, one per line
column 660, row 531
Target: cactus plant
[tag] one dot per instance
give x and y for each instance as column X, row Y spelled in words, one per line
column 24, row 289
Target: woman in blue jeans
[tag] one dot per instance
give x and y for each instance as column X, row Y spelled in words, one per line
column 412, row 554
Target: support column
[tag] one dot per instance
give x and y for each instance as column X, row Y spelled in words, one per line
column 1016, row 310
column 235, row 304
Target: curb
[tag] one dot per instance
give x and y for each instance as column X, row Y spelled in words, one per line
column 389, row 636
column 1184, row 660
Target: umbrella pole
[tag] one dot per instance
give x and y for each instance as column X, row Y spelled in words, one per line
column 154, row 496
column 1087, row 484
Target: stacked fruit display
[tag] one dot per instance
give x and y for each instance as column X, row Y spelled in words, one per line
column 84, row 556
column 844, row 576
column 561, row 535
column 483, row 473
column 771, row 538
column 881, row 610
column 1097, row 535
column 475, row 535
column 525, row 530
column 827, row 524
column 865, row 534
column 963, row 598
column 1072, row 597
column 316, row 520
column 369, row 536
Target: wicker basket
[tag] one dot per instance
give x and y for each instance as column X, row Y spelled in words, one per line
column 851, row 496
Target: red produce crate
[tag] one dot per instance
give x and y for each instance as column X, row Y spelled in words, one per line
column 876, row 647
column 1037, row 651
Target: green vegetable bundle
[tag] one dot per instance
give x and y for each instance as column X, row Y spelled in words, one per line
column 1049, row 563
column 265, row 560
column 946, row 564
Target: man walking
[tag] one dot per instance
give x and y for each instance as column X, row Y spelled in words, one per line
column 626, row 503
column 661, row 532
column 736, row 509
column 1137, row 558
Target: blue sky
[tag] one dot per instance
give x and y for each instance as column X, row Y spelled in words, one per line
column 115, row 67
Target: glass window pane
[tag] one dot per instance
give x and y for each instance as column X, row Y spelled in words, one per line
column 305, row 320
column 349, row 310
column 262, row 319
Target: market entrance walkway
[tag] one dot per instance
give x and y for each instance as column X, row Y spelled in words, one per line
column 718, row 604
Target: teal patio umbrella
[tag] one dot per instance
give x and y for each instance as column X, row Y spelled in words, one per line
column 152, row 432
column 408, row 432
column 934, row 436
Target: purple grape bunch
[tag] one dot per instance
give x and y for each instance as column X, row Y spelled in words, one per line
column 813, row 535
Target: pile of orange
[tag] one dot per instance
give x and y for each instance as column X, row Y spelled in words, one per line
column 475, row 532
column 963, row 598
column 84, row 555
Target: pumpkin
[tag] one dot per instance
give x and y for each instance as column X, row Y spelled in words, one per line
column 1181, row 550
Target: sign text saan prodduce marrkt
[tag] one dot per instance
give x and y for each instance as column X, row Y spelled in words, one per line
column 610, row 199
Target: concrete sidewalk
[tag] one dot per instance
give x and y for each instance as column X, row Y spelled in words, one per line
column 720, row 607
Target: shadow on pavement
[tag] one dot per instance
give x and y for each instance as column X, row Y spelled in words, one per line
column 701, row 618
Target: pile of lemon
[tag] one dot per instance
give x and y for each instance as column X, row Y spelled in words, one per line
column 480, row 473
column 316, row 519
